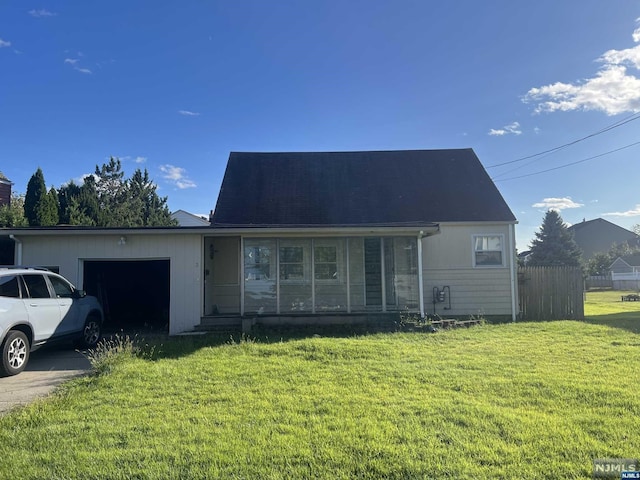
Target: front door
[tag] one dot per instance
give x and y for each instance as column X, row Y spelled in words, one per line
column 222, row 276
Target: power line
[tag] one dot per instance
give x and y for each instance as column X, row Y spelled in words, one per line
column 617, row 124
column 570, row 164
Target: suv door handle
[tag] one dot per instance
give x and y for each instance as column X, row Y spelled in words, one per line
column 33, row 304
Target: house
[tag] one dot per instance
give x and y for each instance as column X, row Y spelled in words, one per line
column 186, row 219
column 599, row 235
column 307, row 237
column 5, row 190
column 625, row 272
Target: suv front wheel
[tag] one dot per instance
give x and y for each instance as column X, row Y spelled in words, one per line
column 15, row 353
column 91, row 332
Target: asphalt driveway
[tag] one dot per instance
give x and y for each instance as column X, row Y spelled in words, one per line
column 47, row 368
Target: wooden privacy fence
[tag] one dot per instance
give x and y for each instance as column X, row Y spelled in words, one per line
column 551, row 293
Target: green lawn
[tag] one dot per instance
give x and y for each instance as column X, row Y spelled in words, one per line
column 526, row 400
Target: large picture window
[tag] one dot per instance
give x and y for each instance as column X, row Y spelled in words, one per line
column 488, row 250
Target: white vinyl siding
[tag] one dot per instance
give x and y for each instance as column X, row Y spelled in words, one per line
column 449, row 260
column 184, row 252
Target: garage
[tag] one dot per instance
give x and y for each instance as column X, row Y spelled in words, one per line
column 135, row 294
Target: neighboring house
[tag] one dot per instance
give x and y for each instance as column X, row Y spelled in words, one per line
column 308, row 237
column 186, row 219
column 5, row 190
column 598, row 236
column 625, row 272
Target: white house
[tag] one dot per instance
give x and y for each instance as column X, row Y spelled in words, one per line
column 306, row 237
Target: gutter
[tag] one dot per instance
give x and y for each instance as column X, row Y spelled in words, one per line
column 18, row 249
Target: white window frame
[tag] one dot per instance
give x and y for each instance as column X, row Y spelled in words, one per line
column 474, row 251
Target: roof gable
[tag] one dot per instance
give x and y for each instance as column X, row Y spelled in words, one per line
column 357, row 188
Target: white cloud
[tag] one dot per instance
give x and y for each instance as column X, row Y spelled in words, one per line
column 188, row 113
column 41, row 13
column 74, row 63
column 634, row 212
column 613, row 89
column 177, row 176
column 4, row 43
column 558, row 204
column 140, row 159
column 513, row 128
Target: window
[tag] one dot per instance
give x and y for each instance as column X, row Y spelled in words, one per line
column 487, row 250
column 62, row 288
column 37, row 286
column 326, row 262
column 291, row 263
column 257, row 262
column 9, row 287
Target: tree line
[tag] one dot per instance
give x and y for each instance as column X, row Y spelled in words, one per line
column 554, row 245
column 104, row 199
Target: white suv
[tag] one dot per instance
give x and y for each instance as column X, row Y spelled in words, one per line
column 38, row 306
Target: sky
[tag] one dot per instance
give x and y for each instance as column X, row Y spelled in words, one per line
column 546, row 93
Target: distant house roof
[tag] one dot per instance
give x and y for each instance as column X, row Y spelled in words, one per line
column 631, row 260
column 186, row 219
column 598, row 235
column 386, row 188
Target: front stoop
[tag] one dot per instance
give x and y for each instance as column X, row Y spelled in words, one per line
column 220, row 324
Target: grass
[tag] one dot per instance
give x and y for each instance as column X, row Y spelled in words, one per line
column 607, row 308
column 525, row 400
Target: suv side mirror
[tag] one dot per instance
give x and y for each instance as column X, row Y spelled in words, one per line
column 79, row 294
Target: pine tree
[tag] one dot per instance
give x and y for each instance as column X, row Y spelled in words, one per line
column 554, row 244
column 36, row 191
column 48, row 209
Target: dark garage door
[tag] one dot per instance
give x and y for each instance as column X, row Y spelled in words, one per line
column 133, row 294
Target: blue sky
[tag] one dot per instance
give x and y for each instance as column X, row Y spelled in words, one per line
column 175, row 86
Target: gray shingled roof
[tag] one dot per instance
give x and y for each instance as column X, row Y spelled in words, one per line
column 410, row 187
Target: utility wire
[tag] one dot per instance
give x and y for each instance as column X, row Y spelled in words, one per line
column 617, row 124
column 570, row 164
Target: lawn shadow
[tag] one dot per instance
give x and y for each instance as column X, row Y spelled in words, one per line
column 156, row 346
column 629, row 321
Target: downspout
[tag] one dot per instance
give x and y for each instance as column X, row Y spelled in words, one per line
column 18, row 249
column 420, row 279
column 514, row 290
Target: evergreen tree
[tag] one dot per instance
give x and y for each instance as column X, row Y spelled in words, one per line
column 105, row 199
column 152, row 209
column 36, row 192
column 48, row 209
column 66, row 194
column 554, row 244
